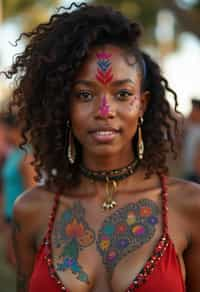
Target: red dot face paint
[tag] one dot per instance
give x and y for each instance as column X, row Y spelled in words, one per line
column 104, row 70
column 104, row 107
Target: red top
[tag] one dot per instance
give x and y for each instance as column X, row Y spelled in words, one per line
column 162, row 272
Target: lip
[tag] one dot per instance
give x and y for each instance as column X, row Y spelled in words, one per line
column 104, row 129
column 104, row 134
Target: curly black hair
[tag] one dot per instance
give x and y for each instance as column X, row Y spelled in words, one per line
column 44, row 75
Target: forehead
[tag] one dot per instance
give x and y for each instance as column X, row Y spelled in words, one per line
column 123, row 64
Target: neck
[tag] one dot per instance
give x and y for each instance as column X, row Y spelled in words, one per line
column 97, row 188
column 107, row 162
column 111, row 180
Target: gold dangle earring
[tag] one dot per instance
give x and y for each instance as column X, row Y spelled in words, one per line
column 71, row 151
column 140, row 140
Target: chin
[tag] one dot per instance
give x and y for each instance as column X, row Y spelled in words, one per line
column 105, row 151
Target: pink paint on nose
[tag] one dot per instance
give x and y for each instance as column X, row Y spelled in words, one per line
column 104, row 107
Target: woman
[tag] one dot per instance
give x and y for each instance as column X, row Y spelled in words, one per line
column 95, row 109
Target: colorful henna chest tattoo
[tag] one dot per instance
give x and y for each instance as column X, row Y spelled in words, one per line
column 126, row 230
column 72, row 234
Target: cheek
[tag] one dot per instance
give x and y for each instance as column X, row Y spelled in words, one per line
column 79, row 112
column 131, row 109
column 129, row 115
column 79, row 117
column 134, row 104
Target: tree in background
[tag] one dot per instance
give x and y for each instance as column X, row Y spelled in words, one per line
column 31, row 12
column 186, row 12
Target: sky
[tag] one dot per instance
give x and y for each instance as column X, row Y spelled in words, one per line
column 181, row 68
column 8, row 33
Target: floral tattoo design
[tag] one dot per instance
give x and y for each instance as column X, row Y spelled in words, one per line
column 72, row 234
column 126, row 230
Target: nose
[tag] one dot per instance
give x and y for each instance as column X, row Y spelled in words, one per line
column 104, row 110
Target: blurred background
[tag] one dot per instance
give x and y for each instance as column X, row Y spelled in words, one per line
column 171, row 36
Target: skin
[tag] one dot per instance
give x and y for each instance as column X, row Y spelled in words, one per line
column 36, row 205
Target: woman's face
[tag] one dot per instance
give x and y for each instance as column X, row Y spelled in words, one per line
column 106, row 102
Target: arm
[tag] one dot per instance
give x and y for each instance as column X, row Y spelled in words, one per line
column 192, row 254
column 23, row 244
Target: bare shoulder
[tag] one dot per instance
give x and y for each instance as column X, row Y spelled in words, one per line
column 32, row 205
column 186, row 197
column 184, row 189
column 31, row 199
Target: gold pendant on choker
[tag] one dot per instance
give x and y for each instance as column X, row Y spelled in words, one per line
column 109, row 203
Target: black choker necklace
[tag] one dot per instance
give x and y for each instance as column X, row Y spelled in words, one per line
column 110, row 178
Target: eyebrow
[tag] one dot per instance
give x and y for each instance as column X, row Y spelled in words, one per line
column 123, row 81
column 114, row 83
column 84, row 82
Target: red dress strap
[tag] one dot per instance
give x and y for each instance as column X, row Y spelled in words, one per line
column 52, row 218
column 164, row 203
column 48, row 246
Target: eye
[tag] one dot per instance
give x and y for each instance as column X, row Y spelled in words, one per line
column 84, row 95
column 123, row 94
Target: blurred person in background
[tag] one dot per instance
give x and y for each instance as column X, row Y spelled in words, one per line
column 4, row 150
column 17, row 174
column 195, row 175
column 191, row 138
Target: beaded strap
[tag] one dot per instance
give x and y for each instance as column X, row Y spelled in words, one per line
column 48, row 246
column 163, row 179
column 161, row 246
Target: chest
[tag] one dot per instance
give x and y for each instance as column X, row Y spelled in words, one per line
column 94, row 251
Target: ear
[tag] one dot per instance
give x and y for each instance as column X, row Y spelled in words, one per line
column 144, row 98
